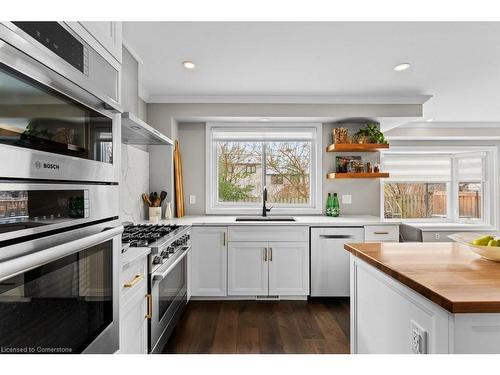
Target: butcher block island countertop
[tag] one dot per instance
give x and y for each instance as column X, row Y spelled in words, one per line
column 449, row 274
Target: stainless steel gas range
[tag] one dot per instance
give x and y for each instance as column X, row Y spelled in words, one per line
column 167, row 269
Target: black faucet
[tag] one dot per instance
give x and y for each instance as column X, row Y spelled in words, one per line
column 264, row 200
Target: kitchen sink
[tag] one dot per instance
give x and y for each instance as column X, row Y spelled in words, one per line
column 265, row 218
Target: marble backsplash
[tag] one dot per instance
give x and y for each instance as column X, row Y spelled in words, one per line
column 134, row 182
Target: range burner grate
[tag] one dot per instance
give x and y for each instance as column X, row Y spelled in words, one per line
column 146, row 234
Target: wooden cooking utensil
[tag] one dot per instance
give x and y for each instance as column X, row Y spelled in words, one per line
column 146, row 200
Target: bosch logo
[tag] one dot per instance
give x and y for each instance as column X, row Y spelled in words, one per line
column 39, row 165
column 50, row 166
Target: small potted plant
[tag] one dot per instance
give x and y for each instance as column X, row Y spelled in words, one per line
column 370, row 134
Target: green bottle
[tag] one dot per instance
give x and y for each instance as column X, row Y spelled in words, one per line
column 329, row 205
column 335, row 206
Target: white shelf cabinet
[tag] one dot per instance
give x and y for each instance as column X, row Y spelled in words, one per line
column 103, row 36
column 208, row 261
column 108, row 34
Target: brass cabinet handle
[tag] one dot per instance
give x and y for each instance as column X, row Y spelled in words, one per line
column 265, row 254
column 224, row 239
column 271, row 254
column 136, row 279
column 149, row 313
column 381, row 232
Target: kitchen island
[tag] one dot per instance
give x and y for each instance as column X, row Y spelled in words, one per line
column 423, row 298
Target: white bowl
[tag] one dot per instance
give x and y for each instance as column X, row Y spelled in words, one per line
column 487, row 252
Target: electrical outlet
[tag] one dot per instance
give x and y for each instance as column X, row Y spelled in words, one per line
column 346, row 199
column 418, row 342
column 437, row 236
column 192, row 199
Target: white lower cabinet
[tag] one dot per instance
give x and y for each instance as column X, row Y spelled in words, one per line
column 247, row 269
column 134, row 327
column 133, row 303
column 208, row 261
column 268, row 268
column 288, row 268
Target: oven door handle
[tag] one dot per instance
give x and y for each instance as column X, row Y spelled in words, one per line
column 13, row 267
column 162, row 274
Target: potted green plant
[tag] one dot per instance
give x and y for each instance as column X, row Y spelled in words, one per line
column 370, row 134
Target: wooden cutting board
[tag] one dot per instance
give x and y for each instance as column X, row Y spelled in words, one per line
column 179, row 190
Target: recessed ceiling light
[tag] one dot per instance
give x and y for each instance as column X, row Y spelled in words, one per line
column 264, row 119
column 135, row 127
column 429, row 120
column 401, row 67
column 188, row 64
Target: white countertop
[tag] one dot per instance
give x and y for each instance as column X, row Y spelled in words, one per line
column 317, row 220
column 451, row 227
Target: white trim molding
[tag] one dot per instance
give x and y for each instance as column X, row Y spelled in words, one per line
column 288, row 99
column 211, row 204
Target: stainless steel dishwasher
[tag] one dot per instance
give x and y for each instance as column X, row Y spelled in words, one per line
column 329, row 260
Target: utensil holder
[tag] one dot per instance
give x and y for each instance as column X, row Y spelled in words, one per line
column 154, row 214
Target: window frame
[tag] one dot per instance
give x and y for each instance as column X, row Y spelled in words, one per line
column 489, row 184
column 212, row 204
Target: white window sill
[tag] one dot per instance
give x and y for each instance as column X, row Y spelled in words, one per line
column 258, row 211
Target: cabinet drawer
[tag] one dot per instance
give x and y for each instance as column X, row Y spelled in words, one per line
column 290, row 233
column 135, row 275
column 382, row 233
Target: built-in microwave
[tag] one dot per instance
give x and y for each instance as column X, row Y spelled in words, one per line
column 50, row 127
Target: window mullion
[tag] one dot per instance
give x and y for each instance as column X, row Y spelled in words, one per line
column 263, row 164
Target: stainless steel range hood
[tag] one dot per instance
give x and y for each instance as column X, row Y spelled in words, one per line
column 137, row 132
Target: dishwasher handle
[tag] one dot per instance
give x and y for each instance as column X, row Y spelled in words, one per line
column 336, row 236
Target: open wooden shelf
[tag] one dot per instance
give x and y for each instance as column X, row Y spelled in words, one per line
column 331, row 176
column 356, row 147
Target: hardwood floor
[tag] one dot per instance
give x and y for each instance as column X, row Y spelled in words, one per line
column 241, row 327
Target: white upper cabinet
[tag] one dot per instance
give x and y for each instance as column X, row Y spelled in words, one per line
column 208, row 261
column 288, row 268
column 248, row 269
column 106, row 35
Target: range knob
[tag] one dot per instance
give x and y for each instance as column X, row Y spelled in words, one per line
column 170, row 249
column 157, row 260
column 164, row 254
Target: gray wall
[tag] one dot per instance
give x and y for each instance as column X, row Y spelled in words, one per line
column 161, row 166
column 192, row 144
column 134, row 159
column 365, row 193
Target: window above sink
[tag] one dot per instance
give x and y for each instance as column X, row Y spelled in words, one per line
column 242, row 158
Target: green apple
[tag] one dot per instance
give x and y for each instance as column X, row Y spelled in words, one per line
column 482, row 241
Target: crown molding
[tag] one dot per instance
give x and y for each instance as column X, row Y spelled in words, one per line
column 451, row 125
column 287, row 99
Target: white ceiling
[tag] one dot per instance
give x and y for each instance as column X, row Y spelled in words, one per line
column 457, row 63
